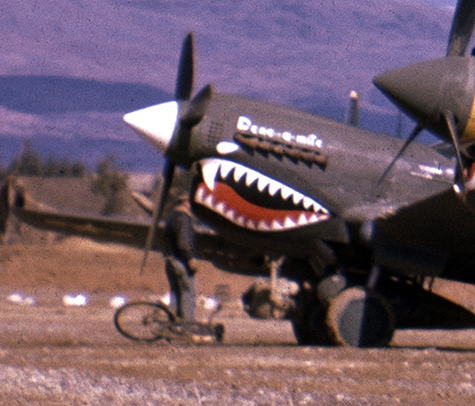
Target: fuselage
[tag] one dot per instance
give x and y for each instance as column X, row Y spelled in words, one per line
column 267, row 170
column 288, row 181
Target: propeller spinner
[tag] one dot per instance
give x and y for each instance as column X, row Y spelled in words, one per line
column 439, row 94
column 168, row 127
column 145, row 122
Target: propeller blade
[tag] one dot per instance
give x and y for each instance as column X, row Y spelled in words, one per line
column 452, row 126
column 411, row 138
column 186, row 70
column 192, row 115
column 462, row 28
column 169, row 132
column 198, row 106
column 168, row 172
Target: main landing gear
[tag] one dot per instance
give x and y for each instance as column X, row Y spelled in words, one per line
column 360, row 317
column 337, row 312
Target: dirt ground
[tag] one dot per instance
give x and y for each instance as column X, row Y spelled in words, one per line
column 54, row 356
column 81, row 265
column 51, row 354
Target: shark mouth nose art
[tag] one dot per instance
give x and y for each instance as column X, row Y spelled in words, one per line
column 252, row 200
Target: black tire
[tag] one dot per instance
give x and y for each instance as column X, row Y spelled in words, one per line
column 311, row 329
column 308, row 320
column 358, row 317
column 144, row 321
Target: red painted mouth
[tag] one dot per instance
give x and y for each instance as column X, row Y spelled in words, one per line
column 275, row 213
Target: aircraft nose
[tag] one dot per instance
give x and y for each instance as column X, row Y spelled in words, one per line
column 156, row 123
column 426, row 89
column 415, row 88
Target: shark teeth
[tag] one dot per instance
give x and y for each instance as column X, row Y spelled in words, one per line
column 285, row 192
column 214, row 170
column 251, row 177
column 209, row 173
column 225, row 167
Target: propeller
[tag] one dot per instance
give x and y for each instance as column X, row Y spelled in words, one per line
column 417, row 130
column 462, row 28
column 185, row 80
column 168, row 126
column 168, row 172
column 439, row 94
column 452, row 126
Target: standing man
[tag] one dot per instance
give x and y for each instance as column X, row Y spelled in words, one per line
column 181, row 264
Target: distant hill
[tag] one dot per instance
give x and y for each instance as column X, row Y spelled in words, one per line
column 132, row 155
column 70, row 69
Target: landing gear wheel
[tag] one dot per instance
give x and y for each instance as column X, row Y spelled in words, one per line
column 358, row 317
column 261, row 305
column 330, row 287
column 310, row 328
column 144, row 321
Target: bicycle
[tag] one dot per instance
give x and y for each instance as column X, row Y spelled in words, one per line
column 152, row 321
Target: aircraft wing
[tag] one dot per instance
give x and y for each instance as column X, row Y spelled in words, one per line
column 434, row 236
column 210, row 245
column 101, row 228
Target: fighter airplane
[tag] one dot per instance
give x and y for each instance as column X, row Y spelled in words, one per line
column 359, row 230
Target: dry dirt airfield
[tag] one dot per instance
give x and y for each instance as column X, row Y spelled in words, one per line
column 52, row 354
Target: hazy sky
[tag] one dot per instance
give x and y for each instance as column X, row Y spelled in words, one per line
column 110, row 55
column 440, row 2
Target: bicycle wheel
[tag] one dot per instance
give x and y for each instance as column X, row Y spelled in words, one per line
column 144, row 321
